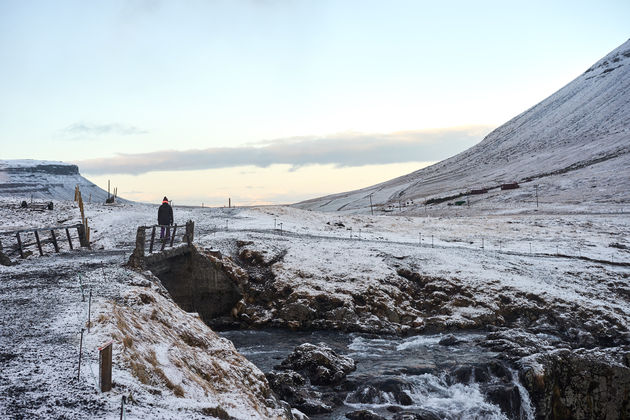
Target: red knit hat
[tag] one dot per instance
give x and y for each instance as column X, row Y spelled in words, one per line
column 165, row 200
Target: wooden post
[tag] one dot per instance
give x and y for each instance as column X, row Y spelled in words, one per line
column 173, row 235
column 80, row 354
column 152, row 239
column 54, row 240
column 89, row 311
column 83, row 240
column 190, row 232
column 39, row 244
column 19, row 241
column 69, row 239
column 105, row 363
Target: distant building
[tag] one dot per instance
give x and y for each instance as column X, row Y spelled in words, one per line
column 510, row 186
column 479, row 191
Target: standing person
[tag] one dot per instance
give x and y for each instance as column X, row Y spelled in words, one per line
column 165, row 217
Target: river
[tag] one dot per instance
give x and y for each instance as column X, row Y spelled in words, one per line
column 459, row 381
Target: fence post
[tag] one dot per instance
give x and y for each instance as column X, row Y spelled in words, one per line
column 80, row 354
column 173, row 235
column 105, row 364
column 152, row 239
column 83, row 239
column 69, row 238
column 19, row 241
column 54, row 240
column 39, row 244
column 190, row 232
column 89, row 311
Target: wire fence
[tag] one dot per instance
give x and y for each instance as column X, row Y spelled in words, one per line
column 531, row 246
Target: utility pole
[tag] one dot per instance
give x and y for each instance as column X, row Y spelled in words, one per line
column 371, row 209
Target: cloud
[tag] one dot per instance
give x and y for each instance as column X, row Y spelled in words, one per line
column 342, row 150
column 85, row 130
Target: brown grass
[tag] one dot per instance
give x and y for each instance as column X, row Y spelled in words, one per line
column 152, row 358
column 192, row 340
column 140, row 371
column 177, row 390
column 127, row 342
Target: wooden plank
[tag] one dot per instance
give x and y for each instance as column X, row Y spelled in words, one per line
column 39, row 244
column 173, row 235
column 69, row 238
column 19, row 241
column 54, row 240
column 152, row 239
column 105, row 363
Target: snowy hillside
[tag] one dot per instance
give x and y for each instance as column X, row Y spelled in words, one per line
column 574, row 146
column 47, row 180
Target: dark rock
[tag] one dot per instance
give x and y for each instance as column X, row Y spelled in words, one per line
column 289, row 386
column 366, row 395
column 449, row 340
column 319, row 363
column 593, row 384
column 418, row 415
column 506, row 396
column 4, row 260
column 398, row 388
column 364, row 415
column 394, row 409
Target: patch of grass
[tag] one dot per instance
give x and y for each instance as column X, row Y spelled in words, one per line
column 127, row 342
column 178, row 391
column 152, row 358
column 145, row 298
column 140, row 371
column 192, row 340
column 217, row 412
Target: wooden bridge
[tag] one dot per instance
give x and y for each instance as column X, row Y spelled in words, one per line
column 148, row 242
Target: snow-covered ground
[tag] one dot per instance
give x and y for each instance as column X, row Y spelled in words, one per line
column 575, row 263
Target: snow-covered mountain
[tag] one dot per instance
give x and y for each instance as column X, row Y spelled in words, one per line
column 47, row 180
column 571, row 149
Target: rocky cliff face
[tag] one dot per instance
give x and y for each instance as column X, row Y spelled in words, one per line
column 45, row 180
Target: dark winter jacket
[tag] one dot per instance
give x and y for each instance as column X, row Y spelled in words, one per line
column 165, row 214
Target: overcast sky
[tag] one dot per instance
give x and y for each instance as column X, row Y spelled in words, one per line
column 270, row 101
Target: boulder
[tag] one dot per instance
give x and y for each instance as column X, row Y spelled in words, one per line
column 364, row 415
column 320, row 364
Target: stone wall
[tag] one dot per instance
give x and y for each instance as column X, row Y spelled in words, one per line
column 197, row 281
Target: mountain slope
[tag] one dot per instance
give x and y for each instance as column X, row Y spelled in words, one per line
column 574, row 145
column 47, row 180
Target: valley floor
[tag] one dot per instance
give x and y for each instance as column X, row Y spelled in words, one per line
column 537, row 283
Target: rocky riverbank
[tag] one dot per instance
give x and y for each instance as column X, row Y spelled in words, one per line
column 567, row 352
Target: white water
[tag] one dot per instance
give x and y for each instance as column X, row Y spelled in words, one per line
column 419, row 366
